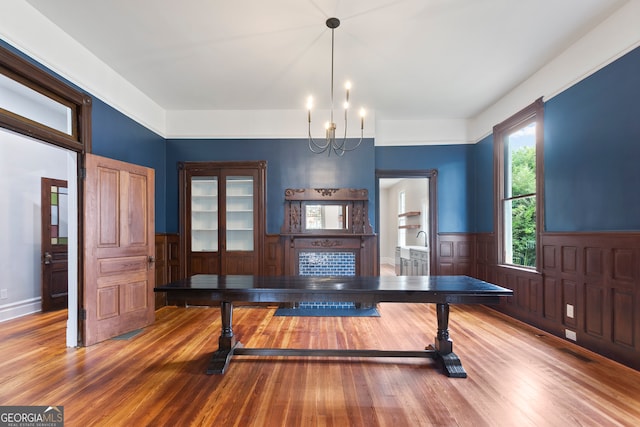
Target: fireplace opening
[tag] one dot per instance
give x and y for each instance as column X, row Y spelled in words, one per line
column 323, row 263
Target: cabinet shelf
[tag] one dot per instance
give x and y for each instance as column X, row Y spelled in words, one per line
column 411, row 213
column 410, row 226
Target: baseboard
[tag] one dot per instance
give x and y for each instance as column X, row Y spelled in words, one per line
column 20, row 308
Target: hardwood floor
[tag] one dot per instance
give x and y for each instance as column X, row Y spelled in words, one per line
column 518, row 376
column 387, row 270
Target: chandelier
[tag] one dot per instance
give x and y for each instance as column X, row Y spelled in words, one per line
column 330, row 143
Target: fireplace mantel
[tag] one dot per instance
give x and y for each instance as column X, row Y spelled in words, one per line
column 352, row 233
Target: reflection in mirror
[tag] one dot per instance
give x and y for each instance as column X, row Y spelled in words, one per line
column 326, row 217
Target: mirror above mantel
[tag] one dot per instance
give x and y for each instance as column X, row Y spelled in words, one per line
column 326, row 211
column 320, row 216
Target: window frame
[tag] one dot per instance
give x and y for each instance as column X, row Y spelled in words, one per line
column 533, row 113
column 31, row 76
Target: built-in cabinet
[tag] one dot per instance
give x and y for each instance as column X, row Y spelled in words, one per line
column 412, row 261
column 222, row 217
column 419, row 261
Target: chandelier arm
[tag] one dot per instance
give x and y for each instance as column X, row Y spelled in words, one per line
column 314, row 146
column 344, row 147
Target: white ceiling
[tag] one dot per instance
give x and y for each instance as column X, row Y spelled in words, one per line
column 406, row 59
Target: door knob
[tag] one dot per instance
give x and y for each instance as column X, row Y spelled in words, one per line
column 47, row 258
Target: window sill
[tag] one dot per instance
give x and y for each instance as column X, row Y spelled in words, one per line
column 526, row 270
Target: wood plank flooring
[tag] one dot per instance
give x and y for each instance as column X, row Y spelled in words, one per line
column 518, row 375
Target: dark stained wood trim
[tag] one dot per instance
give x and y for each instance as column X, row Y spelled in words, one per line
column 80, row 142
column 456, row 252
column 273, row 255
column 167, row 263
column 39, row 80
column 533, row 112
column 597, row 273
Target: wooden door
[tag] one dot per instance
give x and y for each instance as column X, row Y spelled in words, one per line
column 55, row 274
column 239, row 241
column 222, row 217
column 119, row 275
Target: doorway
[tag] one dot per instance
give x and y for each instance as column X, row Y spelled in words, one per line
column 406, row 218
column 54, row 244
column 23, row 162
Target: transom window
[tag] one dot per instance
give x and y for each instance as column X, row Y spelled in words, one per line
column 37, row 104
column 47, row 111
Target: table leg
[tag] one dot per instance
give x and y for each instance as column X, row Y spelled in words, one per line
column 444, row 346
column 226, row 342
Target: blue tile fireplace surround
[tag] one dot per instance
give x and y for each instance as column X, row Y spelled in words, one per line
column 326, row 232
column 326, row 264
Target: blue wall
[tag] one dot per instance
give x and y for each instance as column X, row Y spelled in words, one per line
column 116, row 136
column 290, row 164
column 483, row 185
column 591, row 155
column 455, row 178
column 592, row 151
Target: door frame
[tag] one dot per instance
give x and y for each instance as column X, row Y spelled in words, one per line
column 37, row 78
column 432, row 176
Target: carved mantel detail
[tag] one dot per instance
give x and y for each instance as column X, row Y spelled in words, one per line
column 356, row 202
column 326, row 243
column 356, row 234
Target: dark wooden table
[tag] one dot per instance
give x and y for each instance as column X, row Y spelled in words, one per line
column 440, row 290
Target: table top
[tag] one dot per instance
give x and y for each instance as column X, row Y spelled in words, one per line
column 332, row 288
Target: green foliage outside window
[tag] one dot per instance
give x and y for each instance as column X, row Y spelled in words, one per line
column 523, row 210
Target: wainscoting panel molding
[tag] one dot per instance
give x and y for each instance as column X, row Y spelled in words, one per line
column 589, row 285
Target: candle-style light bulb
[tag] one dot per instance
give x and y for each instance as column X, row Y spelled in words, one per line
column 309, row 107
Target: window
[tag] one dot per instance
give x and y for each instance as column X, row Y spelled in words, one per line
column 402, row 220
column 37, row 104
column 32, row 106
column 518, row 143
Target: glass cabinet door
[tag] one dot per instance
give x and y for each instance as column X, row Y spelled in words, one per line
column 204, row 214
column 239, row 213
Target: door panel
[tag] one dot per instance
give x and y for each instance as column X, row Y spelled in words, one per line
column 55, row 276
column 119, row 247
